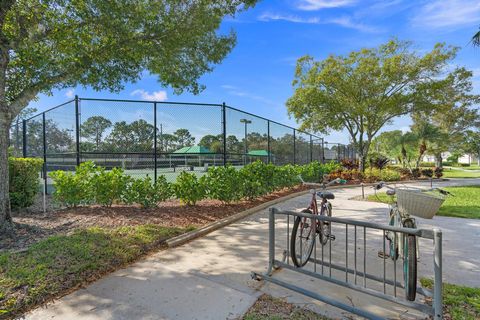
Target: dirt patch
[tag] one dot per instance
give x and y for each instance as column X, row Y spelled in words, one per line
column 269, row 308
column 34, row 225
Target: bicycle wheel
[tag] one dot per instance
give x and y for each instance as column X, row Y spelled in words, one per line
column 392, row 238
column 302, row 240
column 325, row 226
column 410, row 263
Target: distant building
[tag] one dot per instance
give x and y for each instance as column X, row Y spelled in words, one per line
column 465, row 159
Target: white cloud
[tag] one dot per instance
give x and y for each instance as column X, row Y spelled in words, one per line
column 70, row 93
column 290, row 18
column 312, row 5
column 160, row 95
column 347, row 22
column 453, row 13
column 344, row 21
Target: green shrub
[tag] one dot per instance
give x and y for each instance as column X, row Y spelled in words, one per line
column 188, row 189
column 147, row 193
column 109, row 186
column 257, row 179
column 314, row 171
column 331, row 166
column 75, row 188
column 285, row 177
column 24, row 181
column 427, row 164
column 375, row 174
column 223, row 183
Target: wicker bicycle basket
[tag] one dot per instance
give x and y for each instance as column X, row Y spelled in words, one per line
column 418, row 203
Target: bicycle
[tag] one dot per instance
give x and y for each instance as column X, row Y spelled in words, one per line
column 305, row 229
column 405, row 246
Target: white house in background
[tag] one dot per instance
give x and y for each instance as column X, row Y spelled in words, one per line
column 466, row 158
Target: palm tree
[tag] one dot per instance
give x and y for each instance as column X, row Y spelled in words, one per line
column 476, row 39
column 424, row 132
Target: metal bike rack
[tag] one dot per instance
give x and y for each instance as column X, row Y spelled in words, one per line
column 359, row 283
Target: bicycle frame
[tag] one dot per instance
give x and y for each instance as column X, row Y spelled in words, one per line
column 314, row 204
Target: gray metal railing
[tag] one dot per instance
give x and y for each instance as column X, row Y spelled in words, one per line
column 323, row 266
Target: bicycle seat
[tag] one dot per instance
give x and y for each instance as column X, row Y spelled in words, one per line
column 326, row 195
column 390, row 192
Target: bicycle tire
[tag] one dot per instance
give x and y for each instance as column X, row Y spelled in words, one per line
column 308, row 230
column 410, row 263
column 393, row 245
column 326, row 227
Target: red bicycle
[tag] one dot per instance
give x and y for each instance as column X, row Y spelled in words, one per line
column 305, row 229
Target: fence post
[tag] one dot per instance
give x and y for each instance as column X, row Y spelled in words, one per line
column 268, row 143
column 224, row 133
column 311, row 148
column 44, row 154
column 437, row 267
column 323, row 152
column 24, row 138
column 294, row 146
column 77, row 130
column 155, row 141
column 271, row 240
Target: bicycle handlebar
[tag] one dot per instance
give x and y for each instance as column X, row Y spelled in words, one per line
column 324, row 185
column 382, row 184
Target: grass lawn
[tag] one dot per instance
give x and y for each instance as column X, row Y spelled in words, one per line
column 456, row 173
column 269, row 308
column 465, row 202
column 459, row 302
column 464, row 168
column 52, row 266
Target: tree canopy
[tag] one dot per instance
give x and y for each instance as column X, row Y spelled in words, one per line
column 364, row 90
column 55, row 44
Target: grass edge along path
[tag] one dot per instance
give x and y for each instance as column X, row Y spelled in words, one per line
column 57, row 265
column 459, row 302
column 458, row 173
column 465, row 202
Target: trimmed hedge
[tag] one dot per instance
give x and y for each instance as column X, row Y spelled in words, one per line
column 91, row 184
column 24, row 181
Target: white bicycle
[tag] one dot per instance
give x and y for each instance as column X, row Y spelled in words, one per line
column 410, row 201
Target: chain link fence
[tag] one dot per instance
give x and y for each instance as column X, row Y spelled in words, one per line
column 162, row 138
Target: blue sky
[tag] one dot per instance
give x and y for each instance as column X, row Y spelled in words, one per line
column 257, row 75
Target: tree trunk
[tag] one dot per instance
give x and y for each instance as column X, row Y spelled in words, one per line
column 361, row 163
column 438, row 160
column 5, row 217
column 478, row 159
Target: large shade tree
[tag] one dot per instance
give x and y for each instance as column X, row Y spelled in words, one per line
column 364, row 90
column 54, row 44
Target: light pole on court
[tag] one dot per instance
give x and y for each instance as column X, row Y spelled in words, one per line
column 246, row 122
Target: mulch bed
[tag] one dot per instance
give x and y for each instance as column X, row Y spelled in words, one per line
column 34, row 225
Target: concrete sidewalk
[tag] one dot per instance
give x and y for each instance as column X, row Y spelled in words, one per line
column 209, row 278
